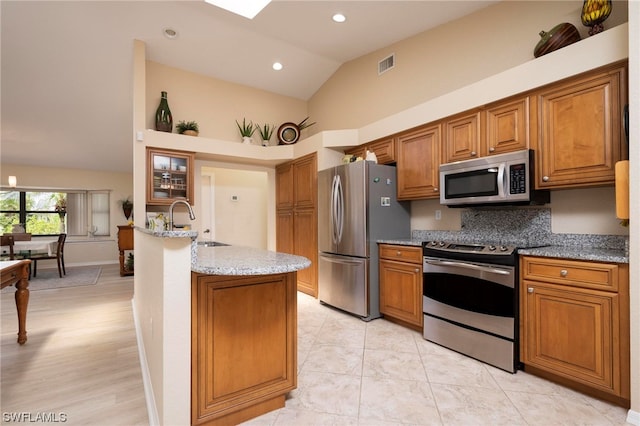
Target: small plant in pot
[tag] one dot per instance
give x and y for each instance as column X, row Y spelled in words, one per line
column 246, row 130
column 189, row 128
column 266, row 131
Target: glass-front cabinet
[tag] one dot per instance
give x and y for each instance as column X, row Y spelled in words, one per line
column 169, row 176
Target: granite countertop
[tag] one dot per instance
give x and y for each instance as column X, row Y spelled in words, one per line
column 404, row 242
column 578, row 253
column 237, row 260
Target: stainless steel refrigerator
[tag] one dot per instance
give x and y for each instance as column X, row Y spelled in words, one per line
column 357, row 207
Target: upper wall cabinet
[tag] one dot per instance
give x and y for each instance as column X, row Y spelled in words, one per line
column 462, row 137
column 418, row 163
column 578, row 129
column 169, row 176
column 385, row 150
column 507, row 126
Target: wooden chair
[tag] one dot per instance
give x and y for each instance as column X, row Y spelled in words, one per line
column 20, row 236
column 7, row 240
column 59, row 256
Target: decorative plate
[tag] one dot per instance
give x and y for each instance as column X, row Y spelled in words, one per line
column 288, row 133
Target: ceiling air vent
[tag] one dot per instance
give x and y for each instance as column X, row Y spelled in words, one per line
column 387, row 63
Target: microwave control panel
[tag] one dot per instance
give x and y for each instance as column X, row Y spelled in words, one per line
column 517, row 179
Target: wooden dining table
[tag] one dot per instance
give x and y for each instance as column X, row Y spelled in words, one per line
column 16, row 272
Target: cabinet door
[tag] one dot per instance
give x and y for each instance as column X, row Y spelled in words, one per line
column 305, row 172
column 284, row 231
column 284, row 186
column 579, row 130
column 169, row 176
column 418, row 163
column 507, row 127
column 401, row 291
column 462, row 137
column 569, row 332
column 358, row 151
column 385, row 150
column 305, row 240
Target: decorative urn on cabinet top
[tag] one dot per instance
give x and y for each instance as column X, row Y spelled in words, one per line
column 558, row 37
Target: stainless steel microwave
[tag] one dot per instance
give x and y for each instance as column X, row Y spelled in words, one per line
column 495, row 180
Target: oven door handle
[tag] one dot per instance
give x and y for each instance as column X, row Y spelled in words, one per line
column 468, row 266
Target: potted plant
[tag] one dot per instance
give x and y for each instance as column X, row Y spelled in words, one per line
column 246, row 130
column 266, row 131
column 189, row 128
column 127, row 207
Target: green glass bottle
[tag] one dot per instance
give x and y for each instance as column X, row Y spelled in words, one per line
column 164, row 120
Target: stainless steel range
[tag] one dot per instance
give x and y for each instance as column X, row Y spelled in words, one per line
column 470, row 300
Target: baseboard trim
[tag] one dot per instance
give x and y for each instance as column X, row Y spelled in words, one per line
column 152, row 409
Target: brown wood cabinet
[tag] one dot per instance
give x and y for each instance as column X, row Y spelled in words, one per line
column 574, row 324
column 385, row 150
column 297, row 217
column 169, row 176
column 125, row 243
column 243, row 346
column 401, row 284
column 507, row 126
column 578, row 129
column 418, row 163
column 462, row 137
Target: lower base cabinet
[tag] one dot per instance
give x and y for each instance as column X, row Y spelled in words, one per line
column 575, row 324
column 243, row 346
column 401, row 284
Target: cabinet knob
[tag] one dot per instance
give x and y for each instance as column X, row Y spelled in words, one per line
column 473, row 153
column 491, row 149
column 435, row 189
column 398, row 253
column 417, row 270
column 545, row 178
column 530, row 290
column 564, row 273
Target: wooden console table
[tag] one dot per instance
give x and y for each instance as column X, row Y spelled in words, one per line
column 125, row 242
column 17, row 272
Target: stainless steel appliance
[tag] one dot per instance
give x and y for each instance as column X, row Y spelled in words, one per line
column 470, row 300
column 498, row 179
column 357, row 207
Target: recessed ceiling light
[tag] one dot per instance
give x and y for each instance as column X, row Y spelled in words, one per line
column 247, row 8
column 170, row 33
column 277, row 66
column 339, row 17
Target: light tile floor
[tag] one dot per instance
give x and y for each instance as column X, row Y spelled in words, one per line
column 355, row 373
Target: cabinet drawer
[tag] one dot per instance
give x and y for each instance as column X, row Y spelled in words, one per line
column 402, row 253
column 602, row 276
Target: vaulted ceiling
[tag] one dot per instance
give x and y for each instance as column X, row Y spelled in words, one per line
column 66, row 66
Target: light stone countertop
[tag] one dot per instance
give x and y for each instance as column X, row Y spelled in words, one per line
column 237, row 260
column 578, row 253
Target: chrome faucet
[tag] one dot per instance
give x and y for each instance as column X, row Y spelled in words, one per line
column 192, row 216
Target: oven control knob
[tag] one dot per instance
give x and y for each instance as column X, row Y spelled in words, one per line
column 433, row 243
column 492, row 248
column 441, row 243
column 503, row 248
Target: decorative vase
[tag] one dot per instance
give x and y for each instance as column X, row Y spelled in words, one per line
column 247, row 140
column 594, row 13
column 265, row 142
column 558, row 37
column 126, row 211
column 164, row 120
column 190, row 133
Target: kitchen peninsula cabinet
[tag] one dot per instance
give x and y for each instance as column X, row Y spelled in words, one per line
column 243, row 346
column 578, row 128
column 401, row 284
column 169, row 176
column 385, row 150
column 296, row 216
column 575, row 324
column 418, row 163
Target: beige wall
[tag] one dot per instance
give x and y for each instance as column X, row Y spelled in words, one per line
column 215, row 104
column 80, row 250
column 442, row 60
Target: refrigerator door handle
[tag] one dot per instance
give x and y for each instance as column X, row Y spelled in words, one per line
column 339, row 209
column 333, row 213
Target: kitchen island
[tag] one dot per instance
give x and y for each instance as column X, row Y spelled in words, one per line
column 225, row 351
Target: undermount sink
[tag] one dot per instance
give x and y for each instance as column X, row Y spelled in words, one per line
column 211, row 244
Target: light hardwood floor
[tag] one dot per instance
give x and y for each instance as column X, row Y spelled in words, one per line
column 80, row 364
